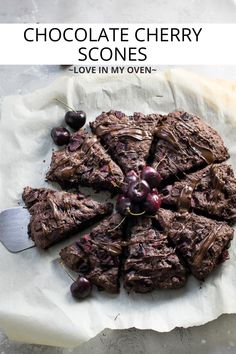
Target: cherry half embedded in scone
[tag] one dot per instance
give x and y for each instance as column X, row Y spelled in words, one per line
column 60, row 136
column 152, row 176
column 81, row 288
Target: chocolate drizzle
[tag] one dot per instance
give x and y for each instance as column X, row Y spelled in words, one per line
column 205, row 245
column 202, row 151
column 88, row 144
column 217, row 183
column 86, row 148
column 205, row 153
column 191, row 129
column 217, row 186
column 114, row 250
column 165, row 134
column 132, row 132
column 184, row 201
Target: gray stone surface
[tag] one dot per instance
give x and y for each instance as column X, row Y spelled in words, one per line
column 118, row 11
column 217, row 337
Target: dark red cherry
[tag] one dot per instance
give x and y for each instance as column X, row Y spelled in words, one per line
column 119, row 114
column 75, row 119
column 138, row 191
column 60, row 136
column 131, row 177
column 152, row 203
column 152, row 177
column 123, row 205
column 81, row 288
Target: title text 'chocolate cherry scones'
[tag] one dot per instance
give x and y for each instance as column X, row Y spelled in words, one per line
column 176, row 195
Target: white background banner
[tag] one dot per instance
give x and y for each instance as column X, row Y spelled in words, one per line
column 118, row 44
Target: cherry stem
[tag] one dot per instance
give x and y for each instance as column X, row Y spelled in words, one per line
column 135, row 214
column 116, row 227
column 157, row 164
column 66, row 105
column 64, row 268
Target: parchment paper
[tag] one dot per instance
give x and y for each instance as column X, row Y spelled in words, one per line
column 35, row 302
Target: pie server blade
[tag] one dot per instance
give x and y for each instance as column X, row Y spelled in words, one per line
column 13, row 229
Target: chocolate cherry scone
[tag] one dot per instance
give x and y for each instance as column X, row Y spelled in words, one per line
column 184, row 142
column 97, row 256
column 85, row 162
column 211, row 191
column 128, row 139
column 201, row 242
column 151, row 262
column 56, row 215
column 175, row 161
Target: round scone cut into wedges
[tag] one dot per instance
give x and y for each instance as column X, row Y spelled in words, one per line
column 175, row 161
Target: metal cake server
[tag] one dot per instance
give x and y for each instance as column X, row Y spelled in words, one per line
column 13, row 229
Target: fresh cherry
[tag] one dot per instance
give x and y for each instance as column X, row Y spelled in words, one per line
column 60, row 136
column 138, row 191
column 131, row 177
column 152, row 177
column 81, row 288
column 75, row 119
column 152, row 203
column 123, row 205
